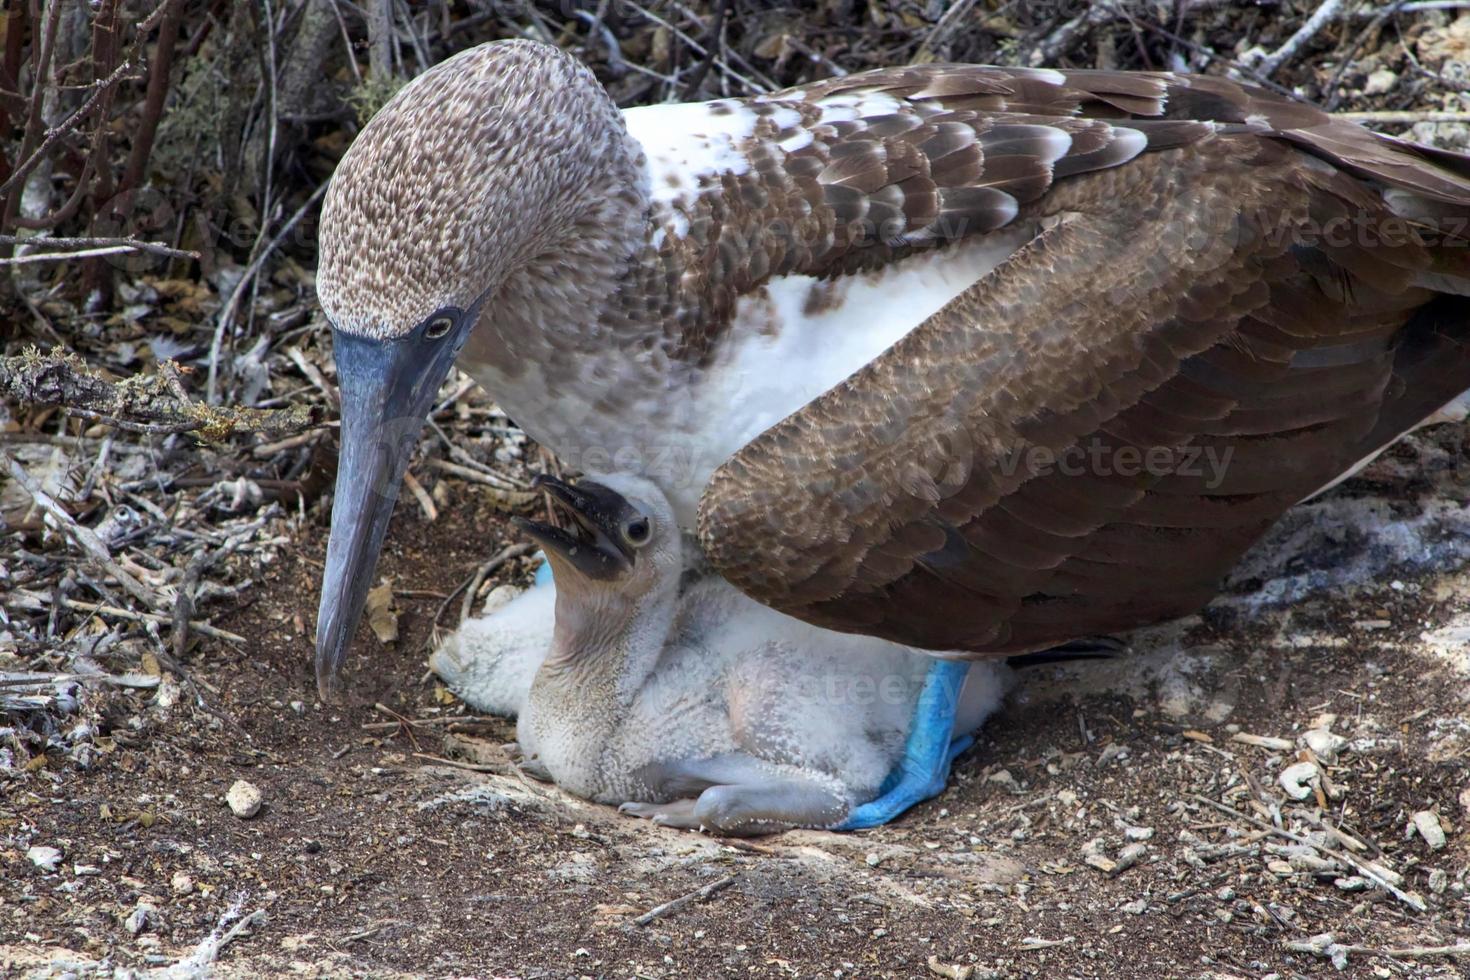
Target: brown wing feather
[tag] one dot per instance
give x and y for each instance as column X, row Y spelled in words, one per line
column 1184, row 304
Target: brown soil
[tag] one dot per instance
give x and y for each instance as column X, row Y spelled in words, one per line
column 370, row 859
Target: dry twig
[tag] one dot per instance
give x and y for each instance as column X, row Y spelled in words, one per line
column 142, row 403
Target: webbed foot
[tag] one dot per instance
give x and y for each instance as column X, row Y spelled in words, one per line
column 923, row 772
column 677, row 813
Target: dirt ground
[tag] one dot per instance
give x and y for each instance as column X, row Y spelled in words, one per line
column 1111, row 822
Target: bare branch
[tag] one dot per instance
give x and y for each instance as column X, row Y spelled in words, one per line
column 145, row 403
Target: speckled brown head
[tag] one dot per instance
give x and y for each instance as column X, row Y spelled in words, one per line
column 473, row 168
column 485, row 168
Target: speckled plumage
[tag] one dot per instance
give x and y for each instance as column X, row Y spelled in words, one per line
column 1111, row 261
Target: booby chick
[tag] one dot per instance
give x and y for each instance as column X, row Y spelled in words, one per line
column 697, row 708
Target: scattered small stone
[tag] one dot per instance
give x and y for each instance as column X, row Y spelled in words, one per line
column 1093, row 857
column 873, row 860
column 1308, row 861
column 139, row 918
column 1355, row 883
column 1299, row 779
column 1324, row 744
column 244, row 799
column 1439, row 880
column 1135, row 907
column 181, row 883
column 952, row 971
column 1427, row 824
column 85, row 870
column 45, row 858
column 1380, row 82
column 1138, row 833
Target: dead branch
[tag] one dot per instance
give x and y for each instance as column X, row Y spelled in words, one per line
column 142, row 403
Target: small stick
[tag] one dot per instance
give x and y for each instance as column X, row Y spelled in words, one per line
column 1318, row 948
column 203, row 629
column 1392, row 116
column 506, row 554
column 85, row 537
column 425, row 502
column 476, row 476
column 94, row 247
column 456, row 764
column 699, row 895
column 1320, row 18
column 1368, row 871
column 377, row 726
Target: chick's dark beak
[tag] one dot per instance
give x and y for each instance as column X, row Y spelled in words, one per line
column 592, row 543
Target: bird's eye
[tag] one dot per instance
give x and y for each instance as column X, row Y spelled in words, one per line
column 635, row 532
column 439, row 325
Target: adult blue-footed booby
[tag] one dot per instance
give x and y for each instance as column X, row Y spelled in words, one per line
column 697, row 707
column 936, row 354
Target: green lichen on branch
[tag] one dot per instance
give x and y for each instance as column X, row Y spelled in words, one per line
column 152, row 403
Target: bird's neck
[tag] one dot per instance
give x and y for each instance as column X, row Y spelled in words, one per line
column 604, row 648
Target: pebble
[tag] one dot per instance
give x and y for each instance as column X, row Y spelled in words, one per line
column 1439, row 880
column 1428, row 826
column 873, row 860
column 244, row 799
column 181, row 883
column 137, row 921
column 1297, row 779
column 1380, row 82
column 1324, row 744
column 45, row 858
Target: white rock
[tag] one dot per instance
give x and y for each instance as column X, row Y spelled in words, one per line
column 181, row 883
column 1380, row 81
column 1427, row 824
column 1298, row 778
column 45, row 858
column 244, row 799
column 1324, row 744
column 138, row 919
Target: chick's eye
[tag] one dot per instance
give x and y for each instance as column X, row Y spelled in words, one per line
column 438, row 326
column 636, row 531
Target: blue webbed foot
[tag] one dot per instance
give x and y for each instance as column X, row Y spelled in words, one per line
column 923, row 771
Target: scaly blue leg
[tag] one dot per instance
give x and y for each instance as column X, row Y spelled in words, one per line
column 924, row 770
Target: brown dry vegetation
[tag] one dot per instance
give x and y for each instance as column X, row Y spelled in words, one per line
column 157, row 600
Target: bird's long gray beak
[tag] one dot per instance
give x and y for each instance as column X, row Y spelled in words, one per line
column 387, row 391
